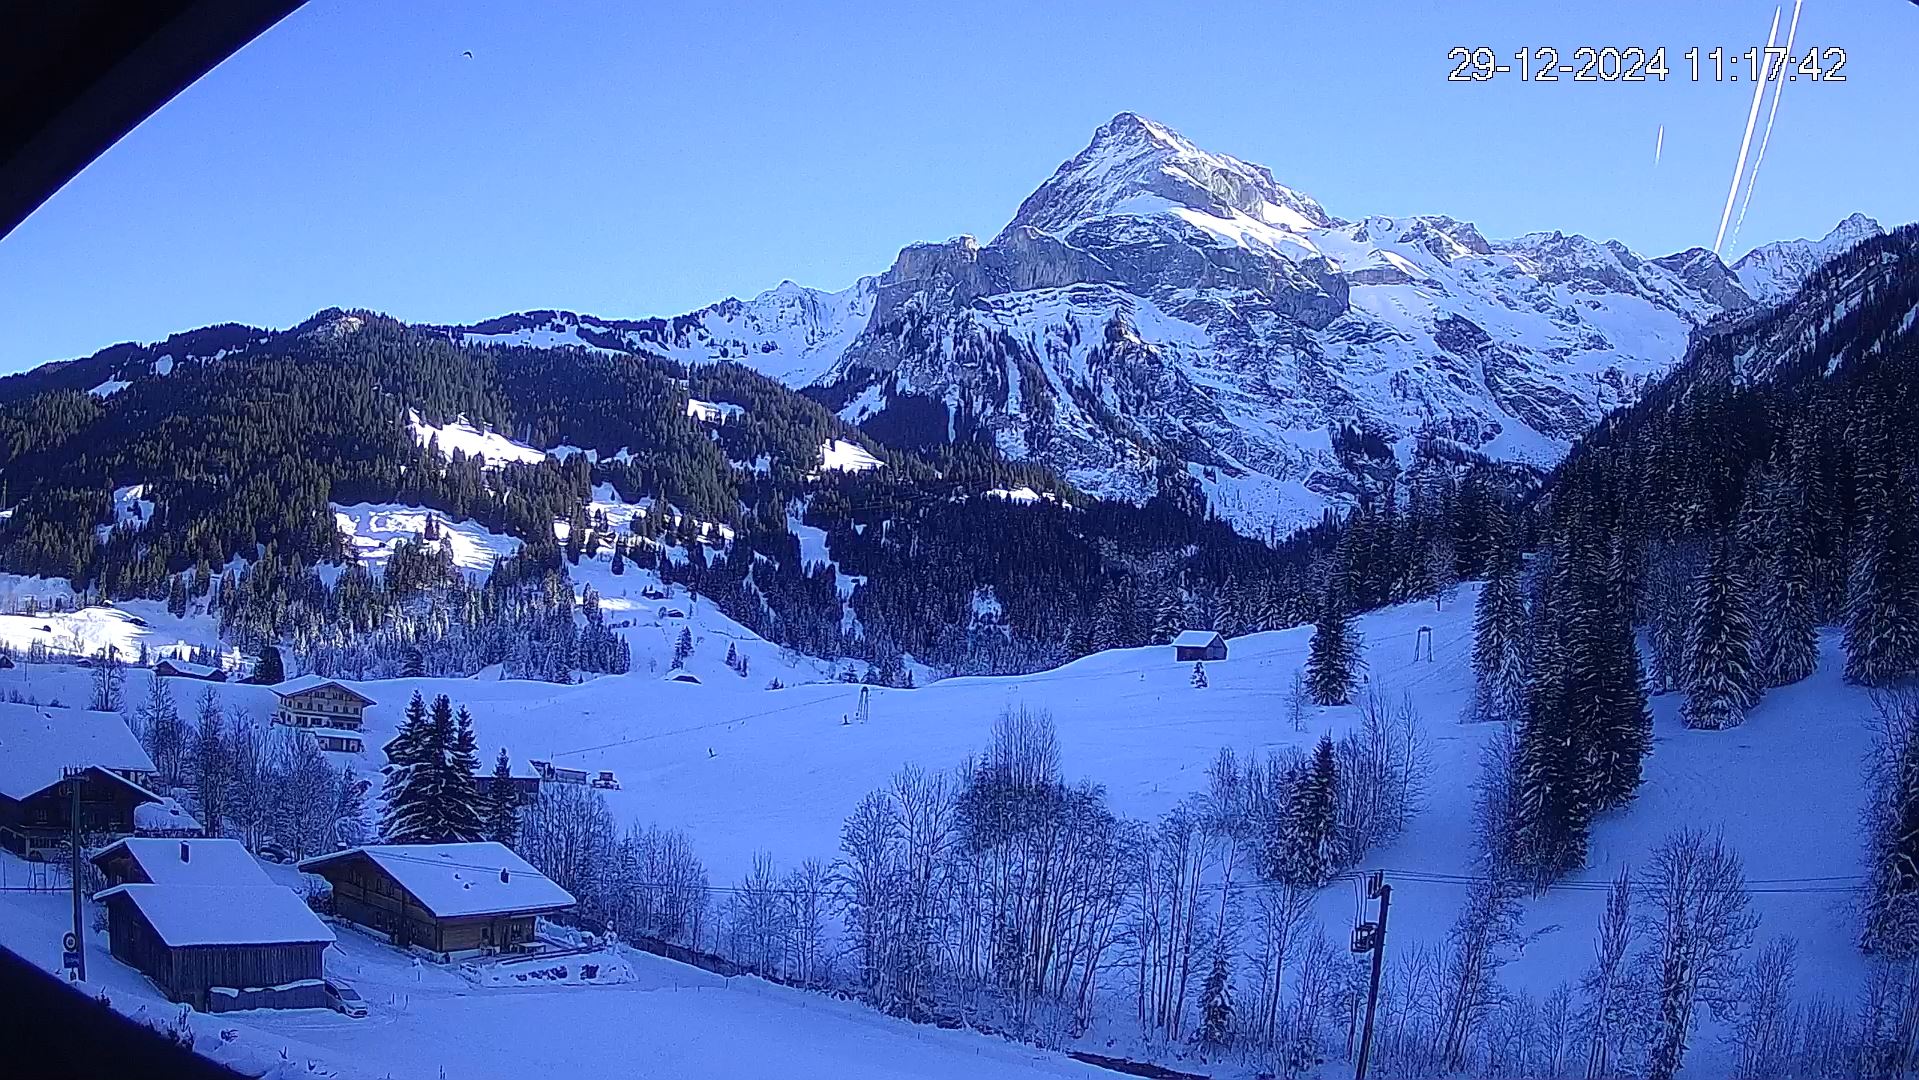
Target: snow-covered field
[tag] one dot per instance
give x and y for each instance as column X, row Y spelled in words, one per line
column 427, row 1021
column 743, row 769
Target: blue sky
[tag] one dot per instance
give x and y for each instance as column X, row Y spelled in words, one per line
column 634, row 159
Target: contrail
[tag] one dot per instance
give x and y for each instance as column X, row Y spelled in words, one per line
column 1792, row 31
column 1745, row 144
column 1658, row 145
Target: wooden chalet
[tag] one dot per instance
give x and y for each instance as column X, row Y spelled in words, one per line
column 1195, row 645
column 37, row 746
column 333, row 713
column 448, row 900
column 220, row 947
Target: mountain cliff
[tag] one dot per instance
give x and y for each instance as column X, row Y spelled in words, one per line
column 1154, row 306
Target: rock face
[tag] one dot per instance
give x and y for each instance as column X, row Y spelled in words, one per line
column 1771, row 273
column 1153, row 305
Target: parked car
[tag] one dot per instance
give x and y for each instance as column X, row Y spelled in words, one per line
column 274, row 853
column 345, row 999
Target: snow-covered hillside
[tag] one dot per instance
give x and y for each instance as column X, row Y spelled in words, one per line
column 1154, row 301
column 66, row 626
column 745, row 770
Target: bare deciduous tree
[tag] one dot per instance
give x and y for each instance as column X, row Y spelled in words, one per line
column 1698, row 928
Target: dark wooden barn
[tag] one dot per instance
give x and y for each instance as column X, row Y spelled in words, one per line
column 219, row 948
column 449, row 900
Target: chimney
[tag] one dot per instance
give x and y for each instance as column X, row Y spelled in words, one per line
column 503, row 875
column 186, row 854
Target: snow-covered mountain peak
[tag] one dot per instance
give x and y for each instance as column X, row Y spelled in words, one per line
column 1772, row 272
column 1136, row 166
column 1155, row 304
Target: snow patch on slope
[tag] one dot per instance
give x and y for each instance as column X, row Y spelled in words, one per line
column 472, row 441
column 373, row 530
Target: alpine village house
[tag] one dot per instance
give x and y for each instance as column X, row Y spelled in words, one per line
column 332, row 713
column 37, row 747
column 448, row 900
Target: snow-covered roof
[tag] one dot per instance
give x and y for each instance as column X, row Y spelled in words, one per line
column 1196, row 639
column 167, row 815
column 201, row 671
column 301, row 684
column 208, row 862
column 481, row 878
column 36, row 744
column 186, row 915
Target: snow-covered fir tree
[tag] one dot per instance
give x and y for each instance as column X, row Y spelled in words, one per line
column 1614, row 690
column 1199, row 675
column 1882, row 608
column 1499, row 638
column 1332, row 660
column 1216, row 1005
column 270, row 670
column 463, row 811
column 1891, row 923
column 1784, row 614
column 502, row 804
column 1722, row 677
column 1309, row 844
column 1553, row 773
column 407, row 813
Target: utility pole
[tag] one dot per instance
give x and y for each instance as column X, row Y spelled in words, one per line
column 1371, row 937
column 79, row 950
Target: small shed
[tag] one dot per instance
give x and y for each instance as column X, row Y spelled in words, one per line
column 220, row 947
column 450, row 900
column 1195, row 645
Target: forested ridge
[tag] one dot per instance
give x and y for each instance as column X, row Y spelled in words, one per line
column 241, row 440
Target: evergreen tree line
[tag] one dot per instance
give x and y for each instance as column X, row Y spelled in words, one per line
column 431, row 793
column 1724, row 520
